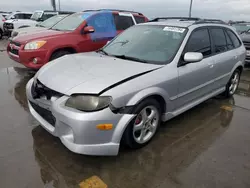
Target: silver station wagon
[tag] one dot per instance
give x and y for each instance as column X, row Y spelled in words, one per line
column 150, row 73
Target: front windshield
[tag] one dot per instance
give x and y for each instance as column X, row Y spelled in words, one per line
column 51, row 21
column 71, row 22
column 36, row 15
column 147, row 43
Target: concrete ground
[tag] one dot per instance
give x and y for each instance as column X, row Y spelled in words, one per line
column 208, row 146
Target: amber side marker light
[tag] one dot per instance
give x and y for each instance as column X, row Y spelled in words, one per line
column 105, row 127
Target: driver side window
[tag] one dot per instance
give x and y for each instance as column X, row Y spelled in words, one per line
column 199, row 41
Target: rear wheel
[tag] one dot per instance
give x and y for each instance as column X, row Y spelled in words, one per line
column 143, row 127
column 58, row 54
column 232, row 84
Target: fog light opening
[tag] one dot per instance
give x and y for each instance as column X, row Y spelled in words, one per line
column 35, row 60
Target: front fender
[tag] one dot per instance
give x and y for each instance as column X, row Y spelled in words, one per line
column 145, row 93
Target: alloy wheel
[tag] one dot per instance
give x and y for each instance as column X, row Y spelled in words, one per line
column 146, row 124
column 234, row 83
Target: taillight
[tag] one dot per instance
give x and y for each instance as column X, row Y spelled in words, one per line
column 3, row 20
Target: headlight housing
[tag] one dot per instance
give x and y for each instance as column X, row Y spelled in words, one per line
column 88, row 103
column 34, row 45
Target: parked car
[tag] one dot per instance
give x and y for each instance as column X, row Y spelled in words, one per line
column 14, row 20
column 150, row 73
column 45, row 25
column 2, row 19
column 241, row 27
column 80, row 32
column 246, row 40
column 32, row 20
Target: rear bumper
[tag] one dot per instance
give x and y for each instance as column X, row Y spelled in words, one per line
column 26, row 57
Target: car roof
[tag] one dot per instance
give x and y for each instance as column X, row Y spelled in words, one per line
column 113, row 10
column 186, row 22
column 22, row 13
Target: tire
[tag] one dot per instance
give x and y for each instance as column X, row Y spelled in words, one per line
column 138, row 133
column 58, row 54
column 1, row 34
column 234, row 83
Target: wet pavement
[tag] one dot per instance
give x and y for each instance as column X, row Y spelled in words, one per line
column 208, row 146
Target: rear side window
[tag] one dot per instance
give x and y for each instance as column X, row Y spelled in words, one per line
column 139, row 19
column 234, row 38
column 123, row 22
column 219, row 40
column 230, row 45
column 199, row 42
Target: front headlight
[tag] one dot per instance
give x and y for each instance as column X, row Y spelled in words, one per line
column 88, row 103
column 34, row 45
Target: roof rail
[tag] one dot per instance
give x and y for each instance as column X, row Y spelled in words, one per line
column 175, row 18
column 216, row 21
column 113, row 10
column 196, row 20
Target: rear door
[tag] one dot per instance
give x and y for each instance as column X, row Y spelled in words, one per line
column 225, row 57
column 195, row 79
column 123, row 21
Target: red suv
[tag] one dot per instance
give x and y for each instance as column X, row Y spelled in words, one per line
column 80, row 32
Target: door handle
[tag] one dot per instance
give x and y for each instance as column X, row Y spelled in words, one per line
column 235, row 57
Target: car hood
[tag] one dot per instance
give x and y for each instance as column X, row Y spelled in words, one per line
column 89, row 73
column 30, row 30
column 245, row 37
column 38, row 35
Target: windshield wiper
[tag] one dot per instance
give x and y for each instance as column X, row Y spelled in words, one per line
column 102, row 51
column 130, row 58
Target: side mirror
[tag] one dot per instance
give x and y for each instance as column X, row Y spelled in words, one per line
column 192, row 57
column 88, row 29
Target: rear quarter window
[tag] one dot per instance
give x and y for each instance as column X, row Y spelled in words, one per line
column 139, row 19
column 234, row 38
column 123, row 22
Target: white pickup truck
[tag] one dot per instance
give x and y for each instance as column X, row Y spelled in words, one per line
column 25, row 19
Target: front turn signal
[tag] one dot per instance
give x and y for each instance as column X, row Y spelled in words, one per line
column 104, row 127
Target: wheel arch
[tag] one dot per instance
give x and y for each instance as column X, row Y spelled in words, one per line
column 70, row 49
column 160, row 95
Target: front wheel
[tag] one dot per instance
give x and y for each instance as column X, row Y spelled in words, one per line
column 143, row 127
column 232, row 84
column 58, row 54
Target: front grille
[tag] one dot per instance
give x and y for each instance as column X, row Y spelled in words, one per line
column 247, row 45
column 39, row 90
column 8, row 26
column 44, row 113
column 14, row 51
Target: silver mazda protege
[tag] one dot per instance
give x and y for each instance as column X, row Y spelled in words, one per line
column 150, row 73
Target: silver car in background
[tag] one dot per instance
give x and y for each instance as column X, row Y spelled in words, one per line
column 150, row 73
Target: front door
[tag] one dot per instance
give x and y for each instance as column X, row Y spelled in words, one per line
column 196, row 79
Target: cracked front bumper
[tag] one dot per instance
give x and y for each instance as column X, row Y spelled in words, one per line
column 77, row 130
